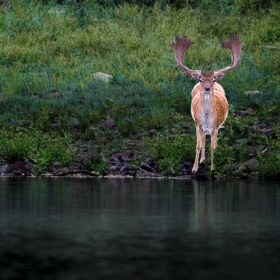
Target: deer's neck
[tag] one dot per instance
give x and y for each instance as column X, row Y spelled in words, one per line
column 207, row 100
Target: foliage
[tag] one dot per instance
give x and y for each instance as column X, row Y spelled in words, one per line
column 40, row 150
column 172, row 150
column 270, row 159
column 173, row 146
column 270, row 165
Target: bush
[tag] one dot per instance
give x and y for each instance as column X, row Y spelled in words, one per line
column 39, row 149
column 171, row 150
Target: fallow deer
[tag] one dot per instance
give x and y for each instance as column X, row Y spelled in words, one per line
column 209, row 107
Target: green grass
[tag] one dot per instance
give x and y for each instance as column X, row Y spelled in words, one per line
column 49, row 52
column 49, row 43
column 39, row 150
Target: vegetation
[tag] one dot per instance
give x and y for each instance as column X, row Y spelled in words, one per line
column 50, row 98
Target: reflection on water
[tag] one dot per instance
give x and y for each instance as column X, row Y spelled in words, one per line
column 139, row 229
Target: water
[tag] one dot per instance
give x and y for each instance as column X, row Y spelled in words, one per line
column 139, row 229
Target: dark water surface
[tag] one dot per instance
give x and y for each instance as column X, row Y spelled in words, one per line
column 139, row 229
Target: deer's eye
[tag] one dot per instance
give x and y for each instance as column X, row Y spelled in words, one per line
column 200, row 80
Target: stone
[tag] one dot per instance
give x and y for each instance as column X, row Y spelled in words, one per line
column 56, row 164
column 247, row 112
column 113, row 160
column 109, row 123
column 126, row 155
column 5, row 169
column 252, row 92
column 146, row 167
column 139, row 143
column 102, row 76
column 113, row 168
column 251, row 165
column 125, row 168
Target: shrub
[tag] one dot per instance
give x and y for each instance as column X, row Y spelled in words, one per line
column 171, row 150
column 39, row 149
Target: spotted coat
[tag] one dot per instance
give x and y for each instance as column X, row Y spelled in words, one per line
column 203, row 104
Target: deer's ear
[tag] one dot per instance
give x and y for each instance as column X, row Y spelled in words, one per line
column 196, row 76
column 218, row 77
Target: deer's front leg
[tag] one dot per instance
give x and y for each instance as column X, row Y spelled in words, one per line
column 202, row 157
column 199, row 136
column 213, row 146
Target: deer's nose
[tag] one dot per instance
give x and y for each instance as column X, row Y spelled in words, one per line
column 207, row 88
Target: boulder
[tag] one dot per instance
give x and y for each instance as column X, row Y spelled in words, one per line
column 102, row 76
column 251, row 165
column 5, row 169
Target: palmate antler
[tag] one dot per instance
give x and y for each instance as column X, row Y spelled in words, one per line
column 179, row 47
column 182, row 44
column 235, row 47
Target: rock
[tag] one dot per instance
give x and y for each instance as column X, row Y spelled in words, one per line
column 132, row 173
column 251, row 165
column 233, row 168
column 247, row 112
column 56, row 164
column 261, row 128
column 186, row 126
column 146, row 167
column 109, row 123
column 6, row 4
column 188, row 164
column 65, row 170
column 252, row 92
column 126, row 155
column 186, row 168
column 266, row 131
column 119, row 166
column 125, row 169
column 102, row 76
column 21, row 166
column 255, row 128
column 139, row 143
column 17, row 173
column 150, row 162
column 18, row 168
column 114, row 160
column 61, row 171
column 151, row 132
column 113, row 168
column 5, row 169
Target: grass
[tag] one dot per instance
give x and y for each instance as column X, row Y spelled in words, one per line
column 49, row 52
column 40, row 150
column 129, row 40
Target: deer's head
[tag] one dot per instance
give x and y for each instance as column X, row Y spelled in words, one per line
column 207, row 80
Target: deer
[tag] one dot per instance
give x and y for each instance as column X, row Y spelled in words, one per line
column 209, row 106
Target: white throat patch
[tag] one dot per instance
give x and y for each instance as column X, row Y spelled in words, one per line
column 206, row 95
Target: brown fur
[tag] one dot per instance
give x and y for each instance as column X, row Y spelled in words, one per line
column 209, row 106
column 219, row 107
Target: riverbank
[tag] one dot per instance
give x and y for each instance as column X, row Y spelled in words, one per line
column 102, row 94
column 246, row 144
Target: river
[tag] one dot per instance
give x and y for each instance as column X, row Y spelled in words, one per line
column 66, row 228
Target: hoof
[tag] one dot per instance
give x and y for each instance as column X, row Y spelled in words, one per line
column 194, row 170
column 201, row 160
